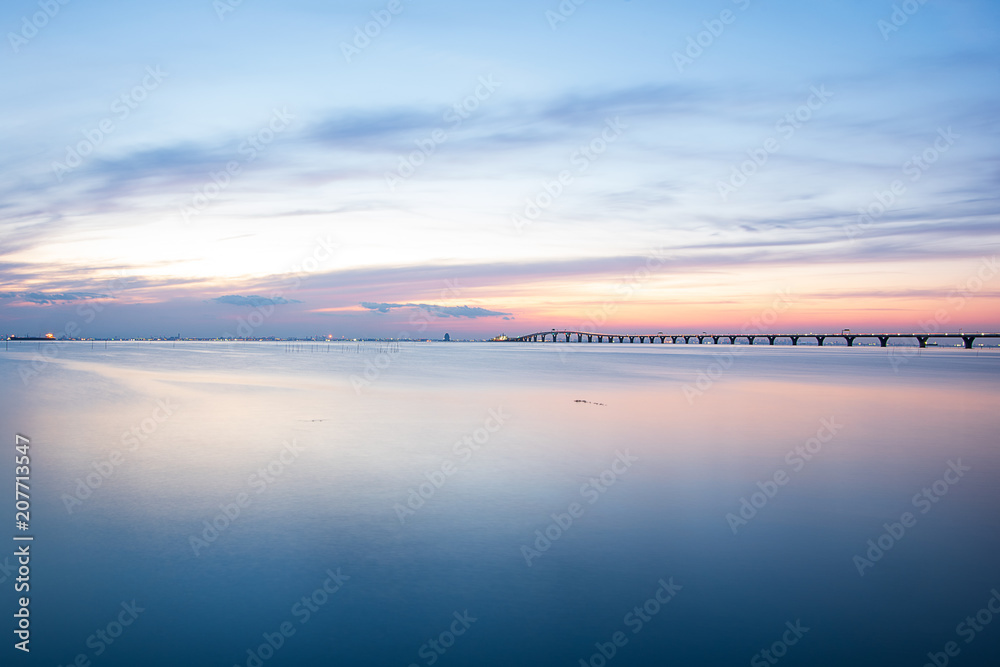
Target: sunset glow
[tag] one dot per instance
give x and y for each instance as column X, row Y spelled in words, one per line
column 598, row 166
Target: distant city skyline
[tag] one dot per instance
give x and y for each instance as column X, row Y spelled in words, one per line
column 367, row 170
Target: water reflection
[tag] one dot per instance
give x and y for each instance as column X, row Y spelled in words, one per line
column 426, row 484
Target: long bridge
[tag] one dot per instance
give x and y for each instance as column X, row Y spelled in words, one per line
column 922, row 337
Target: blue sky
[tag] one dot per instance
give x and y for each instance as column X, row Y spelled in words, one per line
column 473, row 163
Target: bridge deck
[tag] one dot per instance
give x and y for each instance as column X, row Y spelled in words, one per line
column 593, row 336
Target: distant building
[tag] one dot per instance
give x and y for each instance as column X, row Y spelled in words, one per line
column 447, row 337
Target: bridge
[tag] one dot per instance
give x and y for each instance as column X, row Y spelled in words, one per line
column 922, row 337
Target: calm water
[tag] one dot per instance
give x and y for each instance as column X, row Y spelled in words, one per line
column 478, row 504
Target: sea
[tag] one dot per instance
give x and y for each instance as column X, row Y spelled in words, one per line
column 499, row 504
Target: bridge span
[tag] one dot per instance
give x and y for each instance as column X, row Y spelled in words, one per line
column 592, row 336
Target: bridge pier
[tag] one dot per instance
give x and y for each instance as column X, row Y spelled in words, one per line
column 969, row 340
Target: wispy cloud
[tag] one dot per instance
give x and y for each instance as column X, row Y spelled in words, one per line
column 253, row 300
column 470, row 312
column 44, row 298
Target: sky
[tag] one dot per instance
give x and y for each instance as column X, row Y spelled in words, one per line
column 406, row 168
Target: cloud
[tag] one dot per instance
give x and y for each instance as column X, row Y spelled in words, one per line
column 360, row 129
column 252, row 300
column 471, row 312
column 45, row 299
